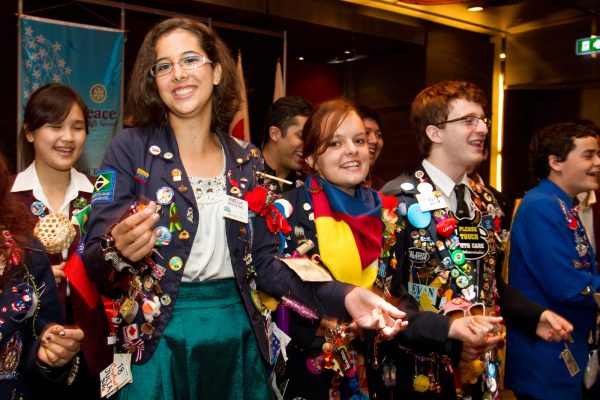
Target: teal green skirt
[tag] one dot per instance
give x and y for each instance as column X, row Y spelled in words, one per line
column 207, row 351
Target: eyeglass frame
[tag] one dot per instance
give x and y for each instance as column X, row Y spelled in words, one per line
column 468, row 311
column 487, row 121
column 202, row 58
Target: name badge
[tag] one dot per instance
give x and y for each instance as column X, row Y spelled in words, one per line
column 431, row 201
column 236, row 209
column 116, row 375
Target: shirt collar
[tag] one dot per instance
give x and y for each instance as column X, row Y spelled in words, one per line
column 587, row 199
column 441, row 180
column 28, row 180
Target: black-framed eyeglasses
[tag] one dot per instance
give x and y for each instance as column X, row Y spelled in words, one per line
column 187, row 63
column 470, row 120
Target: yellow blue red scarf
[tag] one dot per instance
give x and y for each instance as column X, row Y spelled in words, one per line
column 349, row 230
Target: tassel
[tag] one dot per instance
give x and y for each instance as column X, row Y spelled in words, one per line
column 299, row 308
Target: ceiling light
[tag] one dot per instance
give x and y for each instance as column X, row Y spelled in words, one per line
column 301, row 58
column 502, row 56
column 475, row 8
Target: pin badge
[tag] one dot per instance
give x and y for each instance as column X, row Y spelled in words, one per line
column 175, row 263
column 176, row 174
column 164, row 195
column 80, row 202
column 163, row 236
column 38, row 209
column 154, row 150
column 141, row 175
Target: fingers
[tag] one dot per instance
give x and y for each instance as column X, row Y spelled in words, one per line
column 58, row 272
column 134, row 236
column 61, row 341
column 378, row 321
column 557, row 322
column 390, row 331
column 390, row 311
column 483, row 325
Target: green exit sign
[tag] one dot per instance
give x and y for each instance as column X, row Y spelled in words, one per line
column 588, row 46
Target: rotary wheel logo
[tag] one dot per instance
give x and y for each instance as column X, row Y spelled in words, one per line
column 98, row 93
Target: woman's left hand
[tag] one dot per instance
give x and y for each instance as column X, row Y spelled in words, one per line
column 370, row 311
column 59, row 345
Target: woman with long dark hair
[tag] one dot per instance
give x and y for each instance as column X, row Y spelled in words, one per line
column 52, row 138
column 187, row 272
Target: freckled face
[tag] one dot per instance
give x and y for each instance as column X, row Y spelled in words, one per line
column 345, row 163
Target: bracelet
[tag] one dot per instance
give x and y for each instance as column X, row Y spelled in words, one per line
column 74, row 370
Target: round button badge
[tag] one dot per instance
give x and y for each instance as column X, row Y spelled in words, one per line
column 417, row 217
column 175, row 263
column 164, row 195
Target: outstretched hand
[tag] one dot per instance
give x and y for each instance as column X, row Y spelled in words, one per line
column 59, row 345
column 370, row 311
column 478, row 333
column 553, row 327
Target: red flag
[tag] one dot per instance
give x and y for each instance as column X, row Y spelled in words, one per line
column 240, row 125
column 78, row 279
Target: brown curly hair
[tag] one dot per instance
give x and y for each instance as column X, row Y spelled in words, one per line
column 144, row 105
column 432, row 106
column 12, row 214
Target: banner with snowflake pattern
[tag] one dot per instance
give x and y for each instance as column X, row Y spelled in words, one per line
column 85, row 57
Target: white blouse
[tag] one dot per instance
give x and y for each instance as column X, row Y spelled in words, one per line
column 209, row 257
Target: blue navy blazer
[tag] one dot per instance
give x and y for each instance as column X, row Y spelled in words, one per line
column 546, row 266
column 249, row 244
column 21, row 325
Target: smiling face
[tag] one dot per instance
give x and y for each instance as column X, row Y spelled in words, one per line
column 289, row 147
column 579, row 171
column 345, row 163
column 59, row 145
column 186, row 93
column 457, row 143
column 374, row 139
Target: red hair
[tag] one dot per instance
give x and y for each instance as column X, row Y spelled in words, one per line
column 12, row 213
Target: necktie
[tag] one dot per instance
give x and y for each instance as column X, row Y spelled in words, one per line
column 462, row 209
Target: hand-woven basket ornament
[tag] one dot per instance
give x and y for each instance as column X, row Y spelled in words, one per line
column 55, row 232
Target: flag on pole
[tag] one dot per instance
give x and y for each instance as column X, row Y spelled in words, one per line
column 81, row 284
column 278, row 92
column 240, row 125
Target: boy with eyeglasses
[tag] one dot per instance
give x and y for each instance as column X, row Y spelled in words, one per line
column 448, row 248
column 552, row 262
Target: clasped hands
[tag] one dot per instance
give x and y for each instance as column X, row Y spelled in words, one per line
column 59, row 345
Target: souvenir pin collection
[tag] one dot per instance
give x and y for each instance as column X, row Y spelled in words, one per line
column 450, row 257
column 26, row 302
column 582, row 245
column 144, row 296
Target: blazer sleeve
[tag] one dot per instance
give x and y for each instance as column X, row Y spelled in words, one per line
column 517, row 310
column 277, row 279
column 118, row 163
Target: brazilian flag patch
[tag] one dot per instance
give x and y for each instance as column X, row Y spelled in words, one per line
column 104, row 187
